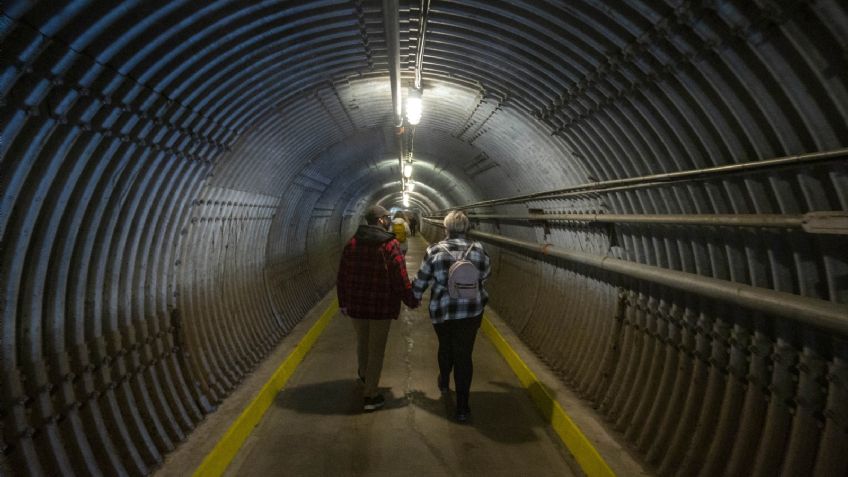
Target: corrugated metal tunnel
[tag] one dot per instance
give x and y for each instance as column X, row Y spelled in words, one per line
column 178, row 179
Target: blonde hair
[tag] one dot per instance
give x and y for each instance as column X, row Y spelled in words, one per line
column 456, row 222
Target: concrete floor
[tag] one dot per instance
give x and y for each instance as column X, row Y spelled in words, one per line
column 316, row 425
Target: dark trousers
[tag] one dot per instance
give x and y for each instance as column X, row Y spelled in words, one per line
column 456, row 342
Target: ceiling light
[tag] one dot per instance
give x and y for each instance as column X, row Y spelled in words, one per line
column 414, row 106
column 410, row 186
column 407, row 170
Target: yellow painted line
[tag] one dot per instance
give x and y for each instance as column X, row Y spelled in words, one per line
column 587, row 456
column 219, row 458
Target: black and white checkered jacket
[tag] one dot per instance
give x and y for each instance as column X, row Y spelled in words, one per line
column 434, row 271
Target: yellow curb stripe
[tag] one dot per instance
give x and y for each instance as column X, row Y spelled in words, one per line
column 219, row 458
column 587, row 456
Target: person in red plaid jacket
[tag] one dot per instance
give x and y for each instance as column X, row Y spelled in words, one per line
column 371, row 283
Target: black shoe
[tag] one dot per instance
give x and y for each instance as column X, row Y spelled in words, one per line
column 443, row 384
column 374, row 403
column 361, row 378
column 463, row 416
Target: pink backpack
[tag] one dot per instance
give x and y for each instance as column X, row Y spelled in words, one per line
column 463, row 277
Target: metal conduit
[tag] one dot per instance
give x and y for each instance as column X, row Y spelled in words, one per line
column 391, row 24
column 832, row 222
column 658, row 179
column 820, row 313
column 419, row 55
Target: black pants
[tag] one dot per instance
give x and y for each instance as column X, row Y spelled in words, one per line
column 456, row 342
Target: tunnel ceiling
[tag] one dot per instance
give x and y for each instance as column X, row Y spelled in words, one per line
column 519, row 96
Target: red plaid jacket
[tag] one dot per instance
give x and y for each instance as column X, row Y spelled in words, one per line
column 372, row 278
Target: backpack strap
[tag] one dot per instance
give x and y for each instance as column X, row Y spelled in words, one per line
column 468, row 250
column 446, row 249
column 465, row 254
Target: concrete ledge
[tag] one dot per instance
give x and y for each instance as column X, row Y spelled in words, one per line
column 594, row 448
column 211, row 432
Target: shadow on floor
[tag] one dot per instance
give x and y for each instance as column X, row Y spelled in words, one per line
column 502, row 416
column 340, row 397
column 497, row 415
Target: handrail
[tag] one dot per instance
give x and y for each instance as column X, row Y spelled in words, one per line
column 824, row 314
column 658, row 179
column 822, row 222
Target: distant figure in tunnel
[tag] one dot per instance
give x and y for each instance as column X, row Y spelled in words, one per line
column 456, row 267
column 371, row 283
column 400, row 228
column 413, row 223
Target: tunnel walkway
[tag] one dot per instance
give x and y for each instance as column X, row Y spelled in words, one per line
column 316, row 425
column 662, row 187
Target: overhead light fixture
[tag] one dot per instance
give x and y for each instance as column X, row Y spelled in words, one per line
column 406, row 199
column 410, row 186
column 414, row 106
column 407, row 170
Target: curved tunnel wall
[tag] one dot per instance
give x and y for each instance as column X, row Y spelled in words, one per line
column 178, row 179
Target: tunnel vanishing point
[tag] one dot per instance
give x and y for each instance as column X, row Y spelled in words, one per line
column 662, row 186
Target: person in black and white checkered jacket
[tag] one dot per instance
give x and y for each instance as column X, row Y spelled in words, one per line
column 455, row 320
